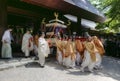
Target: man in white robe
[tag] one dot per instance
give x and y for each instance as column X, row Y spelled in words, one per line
column 6, row 44
column 43, row 49
column 27, row 43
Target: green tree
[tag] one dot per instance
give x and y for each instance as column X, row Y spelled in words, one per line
column 111, row 9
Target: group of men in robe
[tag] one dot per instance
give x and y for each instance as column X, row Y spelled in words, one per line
column 29, row 43
column 36, row 43
column 86, row 53
column 70, row 52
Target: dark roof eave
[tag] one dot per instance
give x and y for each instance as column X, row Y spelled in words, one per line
column 67, row 8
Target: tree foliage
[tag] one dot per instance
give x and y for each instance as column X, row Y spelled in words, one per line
column 111, row 9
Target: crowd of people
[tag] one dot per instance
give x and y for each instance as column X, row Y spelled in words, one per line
column 86, row 53
column 71, row 51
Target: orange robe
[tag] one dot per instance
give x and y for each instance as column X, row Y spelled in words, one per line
column 90, row 47
column 98, row 45
column 73, row 55
column 58, row 45
column 80, row 48
column 64, row 45
column 36, row 40
column 68, row 49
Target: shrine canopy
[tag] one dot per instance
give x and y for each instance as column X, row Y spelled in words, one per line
column 80, row 8
column 55, row 26
column 56, row 23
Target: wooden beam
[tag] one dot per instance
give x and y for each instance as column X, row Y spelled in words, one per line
column 67, row 8
column 22, row 12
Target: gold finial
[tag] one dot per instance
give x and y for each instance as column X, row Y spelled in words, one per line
column 43, row 20
column 56, row 15
column 69, row 23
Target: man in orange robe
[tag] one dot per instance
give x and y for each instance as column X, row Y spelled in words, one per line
column 36, row 37
column 79, row 51
column 89, row 55
column 59, row 55
column 69, row 54
column 101, row 51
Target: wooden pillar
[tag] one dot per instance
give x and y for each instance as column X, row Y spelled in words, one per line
column 36, row 26
column 3, row 18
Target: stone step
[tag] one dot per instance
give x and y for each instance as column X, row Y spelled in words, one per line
column 13, row 63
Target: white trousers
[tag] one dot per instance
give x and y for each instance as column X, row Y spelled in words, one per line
column 87, row 62
column 41, row 59
column 27, row 52
column 36, row 50
column 68, row 62
column 6, row 50
column 98, row 60
column 78, row 58
column 60, row 61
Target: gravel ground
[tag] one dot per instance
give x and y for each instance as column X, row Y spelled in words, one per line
column 55, row 72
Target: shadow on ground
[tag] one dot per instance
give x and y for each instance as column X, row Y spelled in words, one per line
column 33, row 65
column 111, row 68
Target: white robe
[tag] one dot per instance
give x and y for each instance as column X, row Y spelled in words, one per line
column 43, row 50
column 25, row 44
column 6, row 47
